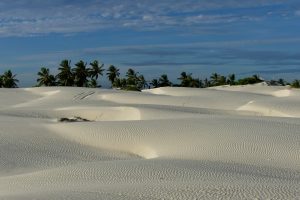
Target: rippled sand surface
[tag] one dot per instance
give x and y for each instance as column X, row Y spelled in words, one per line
column 238, row 142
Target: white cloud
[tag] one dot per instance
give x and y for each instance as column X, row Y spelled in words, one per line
column 32, row 17
column 147, row 18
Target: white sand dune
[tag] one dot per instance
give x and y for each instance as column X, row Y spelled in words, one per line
column 239, row 142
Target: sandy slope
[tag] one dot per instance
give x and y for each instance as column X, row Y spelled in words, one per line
column 239, row 142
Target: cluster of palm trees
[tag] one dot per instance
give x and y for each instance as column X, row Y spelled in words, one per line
column 84, row 75
column 80, row 75
column 186, row 81
column 8, row 80
column 162, row 81
column 136, row 81
column 133, row 80
column 217, row 80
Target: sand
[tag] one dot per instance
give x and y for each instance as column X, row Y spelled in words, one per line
column 229, row 142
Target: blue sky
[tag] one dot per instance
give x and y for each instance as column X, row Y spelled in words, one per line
column 153, row 36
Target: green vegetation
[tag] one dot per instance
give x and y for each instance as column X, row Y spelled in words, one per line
column 65, row 76
column 94, row 72
column 295, row 84
column 45, row 78
column 84, row 75
column 217, row 79
column 8, row 80
column 112, row 74
column 231, row 79
column 249, row 80
column 154, row 83
column 188, row 81
column 133, row 81
column 80, row 75
column 163, row 81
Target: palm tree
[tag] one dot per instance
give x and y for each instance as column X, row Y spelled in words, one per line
column 45, row 78
column 112, row 74
column 134, row 81
column 142, row 83
column 231, row 79
column 164, row 81
column 131, row 73
column 154, row 83
column 222, row 80
column 65, row 76
column 196, row 83
column 131, row 77
column 185, row 79
column 217, row 79
column 81, row 73
column 94, row 73
column 96, row 70
column 214, row 79
column 9, row 80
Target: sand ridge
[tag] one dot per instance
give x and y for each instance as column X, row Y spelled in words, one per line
column 240, row 142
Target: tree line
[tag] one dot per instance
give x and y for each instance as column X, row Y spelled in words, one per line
column 83, row 74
